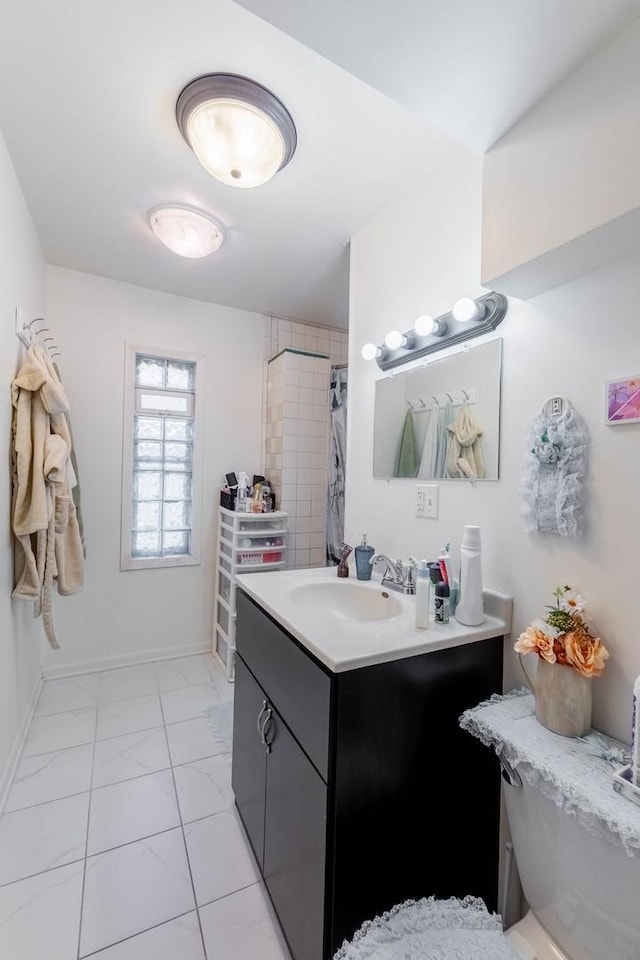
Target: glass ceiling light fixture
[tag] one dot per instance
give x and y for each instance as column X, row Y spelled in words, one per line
column 185, row 230
column 239, row 131
column 467, row 318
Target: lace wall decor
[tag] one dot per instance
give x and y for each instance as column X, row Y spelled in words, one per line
column 556, row 462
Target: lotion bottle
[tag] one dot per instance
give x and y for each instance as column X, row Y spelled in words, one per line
column 470, row 609
column 635, row 735
column 423, row 588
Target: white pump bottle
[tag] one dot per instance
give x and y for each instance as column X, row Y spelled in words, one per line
column 470, row 608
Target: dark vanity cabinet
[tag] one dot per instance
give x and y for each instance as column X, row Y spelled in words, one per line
column 358, row 790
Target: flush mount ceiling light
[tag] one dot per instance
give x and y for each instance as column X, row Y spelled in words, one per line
column 467, row 318
column 239, row 131
column 186, row 231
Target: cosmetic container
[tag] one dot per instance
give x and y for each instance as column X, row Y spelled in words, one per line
column 343, row 567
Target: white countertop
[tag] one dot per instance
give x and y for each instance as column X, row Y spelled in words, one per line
column 344, row 644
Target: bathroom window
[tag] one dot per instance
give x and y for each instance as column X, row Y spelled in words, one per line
column 160, row 475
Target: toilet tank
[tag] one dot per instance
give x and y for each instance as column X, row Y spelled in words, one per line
column 584, row 890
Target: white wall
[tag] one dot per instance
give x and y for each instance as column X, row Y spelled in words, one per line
column 142, row 613
column 422, row 254
column 22, row 283
column 567, row 170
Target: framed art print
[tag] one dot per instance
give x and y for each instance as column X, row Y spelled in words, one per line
column 622, row 397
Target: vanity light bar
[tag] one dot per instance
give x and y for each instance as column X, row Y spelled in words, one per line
column 468, row 318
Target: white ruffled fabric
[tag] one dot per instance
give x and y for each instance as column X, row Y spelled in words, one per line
column 552, row 486
column 575, row 773
column 431, row 929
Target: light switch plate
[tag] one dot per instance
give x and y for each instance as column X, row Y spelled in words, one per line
column 427, row 501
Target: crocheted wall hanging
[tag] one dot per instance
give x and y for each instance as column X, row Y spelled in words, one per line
column 552, row 484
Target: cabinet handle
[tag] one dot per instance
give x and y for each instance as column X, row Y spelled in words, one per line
column 263, row 729
column 265, row 704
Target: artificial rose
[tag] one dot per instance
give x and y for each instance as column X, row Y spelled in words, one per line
column 586, row 653
column 533, row 640
column 547, row 452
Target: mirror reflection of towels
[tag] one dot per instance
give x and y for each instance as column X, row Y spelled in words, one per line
column 465, row 457
column 407, row 459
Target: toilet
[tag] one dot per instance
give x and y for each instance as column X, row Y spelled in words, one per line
column 583, row 893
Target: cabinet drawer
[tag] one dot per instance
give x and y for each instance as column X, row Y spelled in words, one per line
column 299, row 689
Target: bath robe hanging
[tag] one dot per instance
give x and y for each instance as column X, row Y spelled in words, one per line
column 48, row 546
column 465, row 457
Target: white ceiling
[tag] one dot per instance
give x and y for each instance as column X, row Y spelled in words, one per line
column 87, row 98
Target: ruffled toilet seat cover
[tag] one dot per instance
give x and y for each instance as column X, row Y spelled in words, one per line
column 431, row 929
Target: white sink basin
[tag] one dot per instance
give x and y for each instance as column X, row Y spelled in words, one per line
column 346, row 600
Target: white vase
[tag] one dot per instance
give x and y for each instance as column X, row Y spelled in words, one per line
column 563, row 699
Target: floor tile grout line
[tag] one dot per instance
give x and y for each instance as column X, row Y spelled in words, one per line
column 39, row 873
column 128, row 843
column 184, row 838
column 154, row 926
column 112, row 783
column 86, row 838
column 42, row 803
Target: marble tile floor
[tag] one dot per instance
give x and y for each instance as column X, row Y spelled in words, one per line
column 119, row 839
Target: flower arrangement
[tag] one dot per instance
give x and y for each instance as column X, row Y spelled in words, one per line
column 565, row 637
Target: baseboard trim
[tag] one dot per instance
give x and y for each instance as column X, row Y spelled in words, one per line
column 123, row 660
column 10, row 767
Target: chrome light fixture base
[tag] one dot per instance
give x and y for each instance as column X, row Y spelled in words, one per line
column 494, row 308
column 231, row 90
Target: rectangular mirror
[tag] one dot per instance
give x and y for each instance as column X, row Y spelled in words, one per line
column 441, row 421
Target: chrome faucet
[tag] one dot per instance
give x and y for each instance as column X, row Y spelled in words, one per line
column 397, row 575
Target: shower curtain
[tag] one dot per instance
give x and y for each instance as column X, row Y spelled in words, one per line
column 337, row 460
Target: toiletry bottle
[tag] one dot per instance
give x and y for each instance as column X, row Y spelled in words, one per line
column 343, row 567
column 435, row 577
column 423, row 592
column 470, row 610
column 441, row 602
column 635, row 736
column 363, row 553
column 444, row 559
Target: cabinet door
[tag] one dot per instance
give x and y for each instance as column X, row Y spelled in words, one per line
column 248, row 771
column 295, row 843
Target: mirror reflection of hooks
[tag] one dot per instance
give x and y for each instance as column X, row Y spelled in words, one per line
column 435, row 399
column 450, row 397
column 465, row 395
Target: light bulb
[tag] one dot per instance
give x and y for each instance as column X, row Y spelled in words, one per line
column 466, row 310
column 424, row 325
column 394, row 340
column 370, row 351
column 440, row 327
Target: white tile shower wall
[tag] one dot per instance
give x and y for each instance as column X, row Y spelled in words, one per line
column 280, row 334
column 297, row 449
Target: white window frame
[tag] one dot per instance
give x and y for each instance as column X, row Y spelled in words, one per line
column 127, row 561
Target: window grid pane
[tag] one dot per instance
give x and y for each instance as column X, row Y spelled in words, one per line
column 162, row 465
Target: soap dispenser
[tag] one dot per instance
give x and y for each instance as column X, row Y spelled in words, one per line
column 363, row 553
